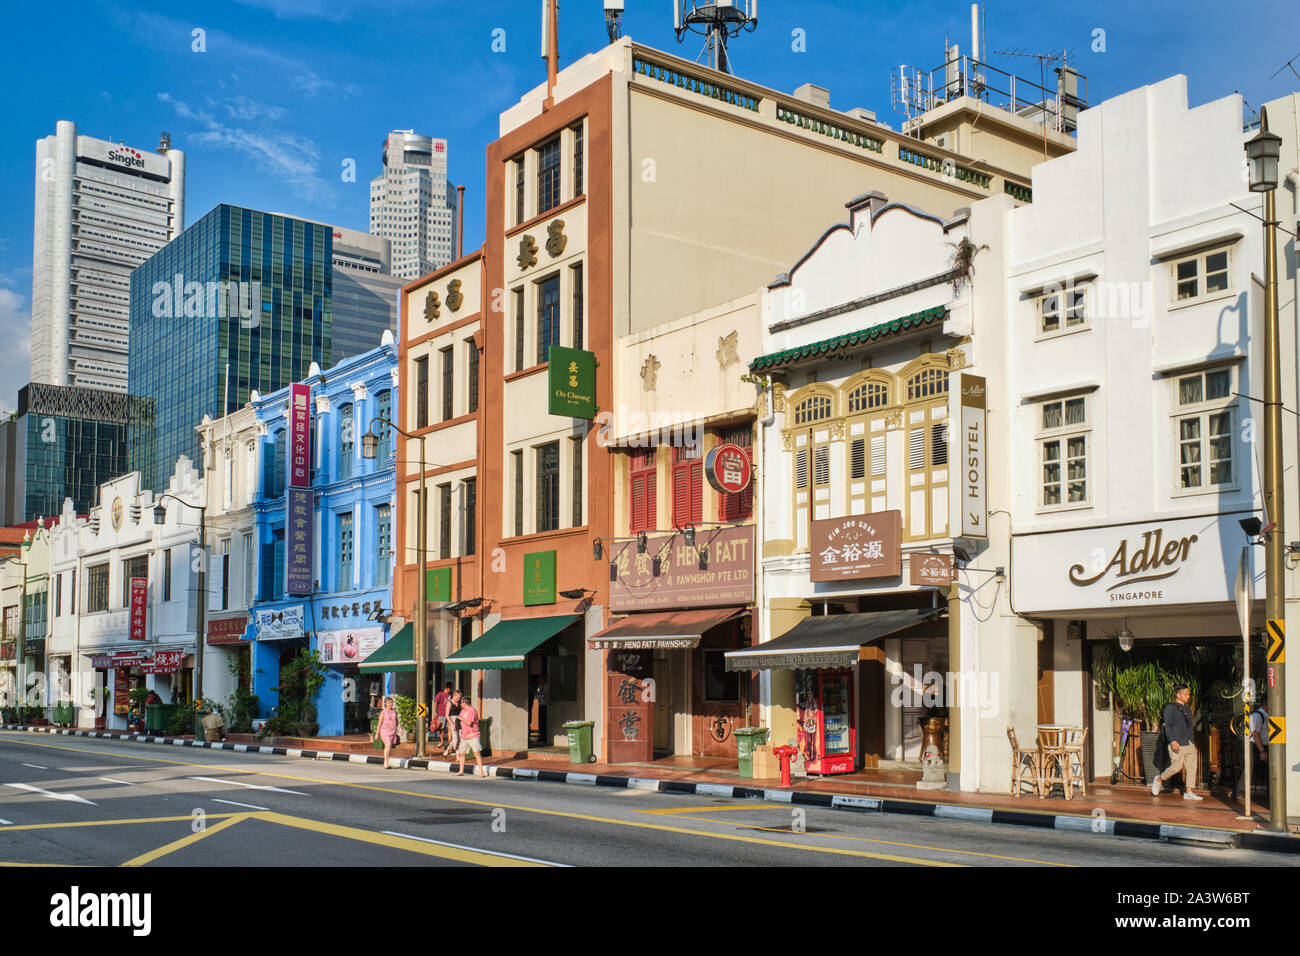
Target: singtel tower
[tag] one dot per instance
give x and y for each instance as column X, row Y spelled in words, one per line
column 102, row 209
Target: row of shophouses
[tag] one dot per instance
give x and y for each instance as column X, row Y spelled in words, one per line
column 840, row 415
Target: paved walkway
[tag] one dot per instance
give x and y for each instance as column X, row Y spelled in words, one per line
column 1121, row 802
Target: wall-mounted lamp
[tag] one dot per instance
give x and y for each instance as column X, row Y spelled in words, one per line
column 657, row 566
column 690, row 535
column 1000, row 575
column 704, row 559
column 597, row 550
column 1125, row 638
column 577, row 593
column 641, row 541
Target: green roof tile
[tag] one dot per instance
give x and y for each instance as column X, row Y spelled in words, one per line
column 828, row 348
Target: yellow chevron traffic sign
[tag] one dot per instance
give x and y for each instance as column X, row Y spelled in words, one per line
column 1277, row 730
column 1276, row 641
column 422, row 710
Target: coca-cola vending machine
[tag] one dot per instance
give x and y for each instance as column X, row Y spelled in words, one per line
column 827, row 737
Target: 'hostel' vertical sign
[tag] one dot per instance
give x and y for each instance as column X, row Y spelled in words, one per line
column 298, row 499
column 973, row 506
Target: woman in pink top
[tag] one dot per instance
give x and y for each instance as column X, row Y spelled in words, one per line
column 388, row 728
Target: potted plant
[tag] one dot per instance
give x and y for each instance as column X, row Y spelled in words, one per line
column 1140, row 682
column 135, row 719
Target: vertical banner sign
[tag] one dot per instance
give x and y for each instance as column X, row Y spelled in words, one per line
column 973, row 467
column 299, row 436
column 139, row 607
column 298, row 533
column 539, row 578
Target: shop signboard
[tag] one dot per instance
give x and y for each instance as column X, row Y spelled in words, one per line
column 163, row 662
column 280, row 624
column 571, row 382
column 101, row 662
column 930, row 570
column 539, row 578
column 139, row 607
column 121, row 690
column 728, row 469
column 298, row 543
column 438, row 584
column 227, row 630
column 972, row 458
column 299, row 463
column 858, row 546
column 1148, row 564
column 349, row 647
column 724, row 576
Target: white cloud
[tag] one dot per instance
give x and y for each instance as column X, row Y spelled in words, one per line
column 290, row 158
column 16, row 360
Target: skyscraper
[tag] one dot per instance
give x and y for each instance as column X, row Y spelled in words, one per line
column 412, row 204
column 240, row 300
column 101, row 209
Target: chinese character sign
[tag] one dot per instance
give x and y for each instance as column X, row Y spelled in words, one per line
column 728, row 469
column 571, row 382
column 861, row 546
column 299, row 463
column 629, row 705
column 298, row 542
column 139, row 607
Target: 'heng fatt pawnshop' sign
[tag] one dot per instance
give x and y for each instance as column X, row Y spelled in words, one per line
column 1150, row 564
column 857, row 546
column 727, row 575
column 972, row 458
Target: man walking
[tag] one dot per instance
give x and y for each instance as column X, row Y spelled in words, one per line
column 440, row 702
column 1177, row 720
column 469, row 737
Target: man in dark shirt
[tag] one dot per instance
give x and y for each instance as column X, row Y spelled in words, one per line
column 1177, row 720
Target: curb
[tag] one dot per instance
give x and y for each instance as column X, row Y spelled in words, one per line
column 1267, row 842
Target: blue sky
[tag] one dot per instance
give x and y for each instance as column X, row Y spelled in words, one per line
column 288, row 90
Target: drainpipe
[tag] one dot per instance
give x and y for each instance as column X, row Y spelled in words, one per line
column 460, row 219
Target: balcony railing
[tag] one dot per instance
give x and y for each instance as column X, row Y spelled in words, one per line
column 693, row 84
column 834, row 131
column 945, row 167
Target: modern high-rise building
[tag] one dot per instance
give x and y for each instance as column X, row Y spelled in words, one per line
column 102, row 208
column 365, row 292
column 240, row 300
column 64, row 442
column 412, row 204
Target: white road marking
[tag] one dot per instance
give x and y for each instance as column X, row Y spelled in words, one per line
column 125, row 783
column 250, row 786
column 475, row 849
column 35, row 766
column 72, row 797
column 6, row 823
column 236, row 803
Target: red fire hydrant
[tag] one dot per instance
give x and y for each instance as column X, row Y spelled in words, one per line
column 785, row 754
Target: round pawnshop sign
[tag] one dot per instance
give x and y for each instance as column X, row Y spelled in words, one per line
column 117, row 514
column 728, row 469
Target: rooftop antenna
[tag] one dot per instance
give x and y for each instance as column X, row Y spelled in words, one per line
column 1288, row 64
column 717, row 22
column 164, row 142
column 550, row 47
column 614, row 19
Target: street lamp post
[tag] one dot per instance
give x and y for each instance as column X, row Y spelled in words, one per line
column 1262, row 152
column 370, row 449
column 160, row 517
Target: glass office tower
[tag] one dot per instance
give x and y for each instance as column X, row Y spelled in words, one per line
column 64, row 442
column 240, row 300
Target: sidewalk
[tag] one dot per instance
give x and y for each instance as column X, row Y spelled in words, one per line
column 1129, row 802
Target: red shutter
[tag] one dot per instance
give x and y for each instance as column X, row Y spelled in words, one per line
column 697, row 491
column 638, row 503
column 738, row 507
column 681, row 494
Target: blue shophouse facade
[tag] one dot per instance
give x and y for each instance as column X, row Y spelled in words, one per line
column 352, row 538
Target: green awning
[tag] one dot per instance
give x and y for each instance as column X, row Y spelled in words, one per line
column 832, row 348
column 505, row 646
column 397, row 654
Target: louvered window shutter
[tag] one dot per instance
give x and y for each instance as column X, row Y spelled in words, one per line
column 821, row 465
column 916, row 449
column 878, row 455
column 857, row 458
column 801, row 468
column 939, row 444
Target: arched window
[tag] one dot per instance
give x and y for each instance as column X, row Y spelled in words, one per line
column 928, row 382
column 867, row 396
column 814, row 408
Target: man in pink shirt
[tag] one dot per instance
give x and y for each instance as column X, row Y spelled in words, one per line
column 469, row 736
column 439, row 722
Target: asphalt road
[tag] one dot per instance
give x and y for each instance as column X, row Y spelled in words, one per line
column 84, row 801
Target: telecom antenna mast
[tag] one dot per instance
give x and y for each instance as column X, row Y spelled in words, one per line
column 717, row 22
column 614, row 19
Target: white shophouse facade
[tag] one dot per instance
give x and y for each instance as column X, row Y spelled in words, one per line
column 92, row 561
column 861, row 427
column 1137, row 338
